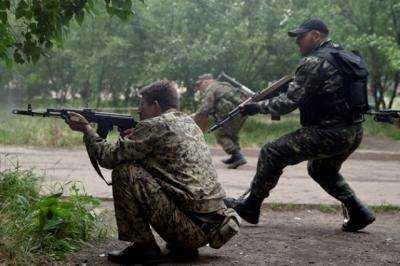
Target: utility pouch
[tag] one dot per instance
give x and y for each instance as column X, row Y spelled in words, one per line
column 226, row 230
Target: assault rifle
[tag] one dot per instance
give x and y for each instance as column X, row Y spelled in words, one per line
column 105, row 123
column 385, row 116
column 262, row 95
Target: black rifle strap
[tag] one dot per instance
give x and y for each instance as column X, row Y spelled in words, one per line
column 96, row 167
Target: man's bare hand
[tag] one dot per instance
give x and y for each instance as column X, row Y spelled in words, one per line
column 126, row 132
column 201, row 120
column 78, row 123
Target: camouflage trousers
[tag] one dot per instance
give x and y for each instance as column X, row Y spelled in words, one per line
column 228, row 136
column 324, row 149
column 140, row 202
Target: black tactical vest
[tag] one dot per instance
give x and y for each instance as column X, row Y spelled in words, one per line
column 345, row 105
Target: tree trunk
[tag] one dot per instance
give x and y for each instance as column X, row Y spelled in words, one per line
column 395, row 87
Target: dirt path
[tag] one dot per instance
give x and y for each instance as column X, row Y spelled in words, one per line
column 297, row 237
column 374, row 174
column 300, row 236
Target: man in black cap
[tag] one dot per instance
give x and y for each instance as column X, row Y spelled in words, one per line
column 331, row 127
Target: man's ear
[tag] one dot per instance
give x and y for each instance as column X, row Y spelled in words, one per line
column 157, row 107
column 317, row 35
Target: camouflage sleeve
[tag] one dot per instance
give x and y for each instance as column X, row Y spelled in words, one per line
column 134, row 147
column 207, row 105
column 309, row 76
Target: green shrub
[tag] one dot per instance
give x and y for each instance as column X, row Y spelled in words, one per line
column 36, row 228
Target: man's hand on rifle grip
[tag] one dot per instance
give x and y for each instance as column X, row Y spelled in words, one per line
column 250, row 109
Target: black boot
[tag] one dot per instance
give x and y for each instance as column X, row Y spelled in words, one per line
column 178, row 253
column 248, row 208
column 359, row 215
column 238, row 160
column 229, row 160
column 136, row 255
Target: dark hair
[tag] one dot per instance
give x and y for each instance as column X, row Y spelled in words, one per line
column 164, row 92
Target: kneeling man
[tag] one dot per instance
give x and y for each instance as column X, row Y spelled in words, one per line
column 163, row 177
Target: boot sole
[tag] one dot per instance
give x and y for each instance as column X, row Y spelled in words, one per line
column 246, row 218
column 357, row 228
column 236, row 165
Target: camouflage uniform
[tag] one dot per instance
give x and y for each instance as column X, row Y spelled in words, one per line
column 162, row 176
column 220, row 98
column 326, row 139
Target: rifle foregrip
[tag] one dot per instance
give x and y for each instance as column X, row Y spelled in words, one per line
column 213, row 128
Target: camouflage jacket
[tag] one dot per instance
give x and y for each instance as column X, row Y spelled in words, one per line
column 220, row 98
column 172, row 148
column 317, row 90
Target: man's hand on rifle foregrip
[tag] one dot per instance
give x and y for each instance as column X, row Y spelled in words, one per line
column 126, row 132
column 250, row 109
column 78, row 123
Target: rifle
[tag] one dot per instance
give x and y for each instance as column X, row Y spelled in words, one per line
column 385, row 116
column 273, row 88
column 105, row 123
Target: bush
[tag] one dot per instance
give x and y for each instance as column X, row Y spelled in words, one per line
column 36, row 228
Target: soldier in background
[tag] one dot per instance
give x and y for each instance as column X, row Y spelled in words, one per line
column 219, row 99
column 163, row 178
column 330, row 130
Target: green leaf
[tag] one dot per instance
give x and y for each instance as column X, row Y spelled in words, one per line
column 3, row 16
column 8, row 61
column 18, row 57
column 79, row 16
column 110, row 10
column 5, row 4
column 35, row 54
column 20, row 11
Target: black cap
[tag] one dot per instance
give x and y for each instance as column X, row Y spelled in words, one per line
column 309, row 25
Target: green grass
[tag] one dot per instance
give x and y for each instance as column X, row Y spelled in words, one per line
column 386, row 208
column 38, row 229
column 36, row 131
column 327, row 208
column 276, row 206
column 257, row 130
column 372, row 128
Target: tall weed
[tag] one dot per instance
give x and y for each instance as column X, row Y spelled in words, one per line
column 35, row 228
